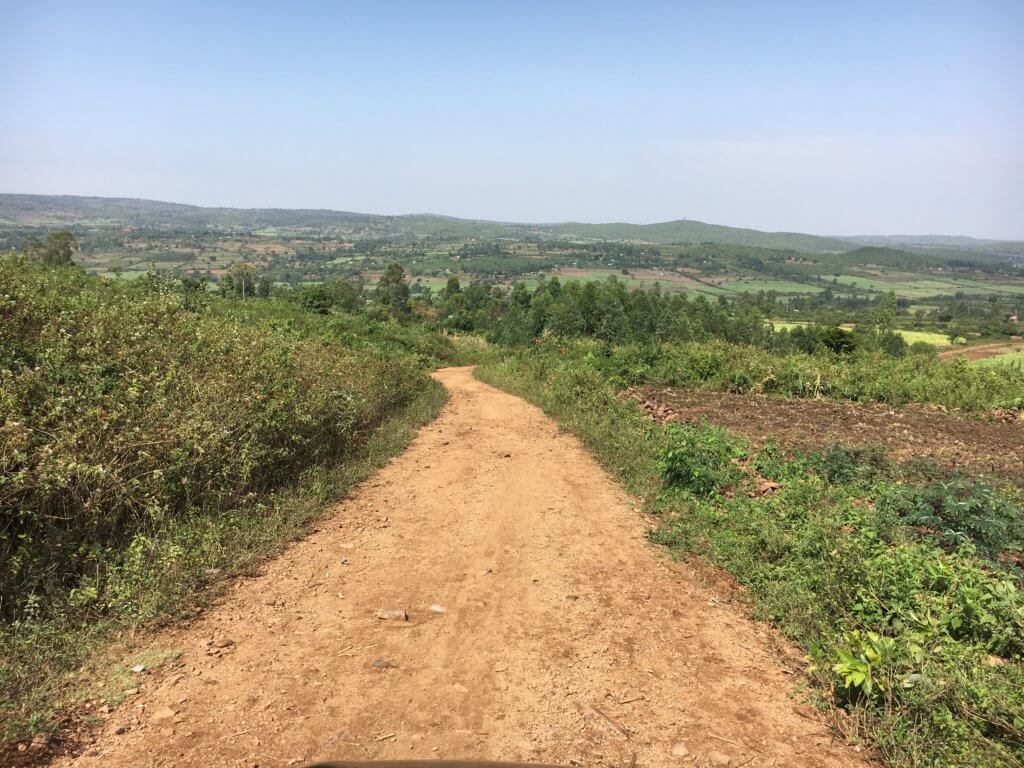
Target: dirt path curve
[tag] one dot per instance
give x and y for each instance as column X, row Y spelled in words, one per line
column 564, row 636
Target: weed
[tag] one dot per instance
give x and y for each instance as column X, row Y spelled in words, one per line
column 960, row 511
column 701, row 459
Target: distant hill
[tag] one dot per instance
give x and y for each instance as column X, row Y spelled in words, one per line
column 72, row 210
column 894, row 258
column 54, row 210
column 687, row 231
column 950, row 246
column 922, row 241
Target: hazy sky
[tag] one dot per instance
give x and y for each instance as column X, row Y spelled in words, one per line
column 842, row 118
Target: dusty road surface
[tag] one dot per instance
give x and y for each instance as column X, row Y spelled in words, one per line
column 541, row 626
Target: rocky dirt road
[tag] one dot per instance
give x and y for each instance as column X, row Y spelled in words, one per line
column 541, row 626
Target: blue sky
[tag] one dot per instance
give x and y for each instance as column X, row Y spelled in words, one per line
column 847, row 118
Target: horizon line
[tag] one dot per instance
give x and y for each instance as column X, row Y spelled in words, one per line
column 513, row 222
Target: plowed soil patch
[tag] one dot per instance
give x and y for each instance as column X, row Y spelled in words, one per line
column 982, row 351
column 981, row 446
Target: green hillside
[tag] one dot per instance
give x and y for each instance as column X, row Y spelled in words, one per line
column 68, row 210
column 18, row 210
column 888, row 257
column 686, row 231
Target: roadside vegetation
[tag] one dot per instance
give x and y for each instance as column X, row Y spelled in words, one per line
column 1012, row 359
column 154, row 440
column 640, row 337
column 901, row 583
column 861, row 376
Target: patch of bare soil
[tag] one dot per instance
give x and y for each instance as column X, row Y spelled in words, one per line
column 982, row 351
column 490, row 594
column 993, row 446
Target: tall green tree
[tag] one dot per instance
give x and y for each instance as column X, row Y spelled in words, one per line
column 392, row 291
column 57, row 250
column 243, row 280
column 884, row 315
column 347, row 295
column 263, row 286
column 451, row 288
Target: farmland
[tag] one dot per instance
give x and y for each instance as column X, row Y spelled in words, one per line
column 972, row 293
column 131, row 237
column 927, row 337
column 1009, row 358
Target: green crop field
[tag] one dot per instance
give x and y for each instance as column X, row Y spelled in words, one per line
column 1010, row 358
column 346, row 259
column 782, row 325
column 935, row 339
column 929, row 337
column 754, row 285
column 924, row 287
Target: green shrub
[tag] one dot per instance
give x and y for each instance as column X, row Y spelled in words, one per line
column 147, row 435
column 837, row 340
column 959, row 511
column 860, row 375
column 701, row 459
column 842, row 464
column 893, row 344
column 924, row 349
column 123, row 411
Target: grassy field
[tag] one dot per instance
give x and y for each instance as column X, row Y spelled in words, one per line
column 784, row 325
column 346, row 259
column 753, row 285
column 912, row 286
column 935, row 339
column 1011, row 358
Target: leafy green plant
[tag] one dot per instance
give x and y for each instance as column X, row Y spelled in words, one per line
column 841, row 464
column 868, row 664
column 961, row 511
column 701, row 459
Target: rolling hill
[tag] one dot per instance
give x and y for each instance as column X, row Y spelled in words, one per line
column 22, row 210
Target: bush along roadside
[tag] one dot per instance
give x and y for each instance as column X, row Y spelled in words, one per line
column 152, row 445
column 739, row 368
column 904, row 588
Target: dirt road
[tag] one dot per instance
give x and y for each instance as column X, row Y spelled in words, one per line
column 541, row 626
